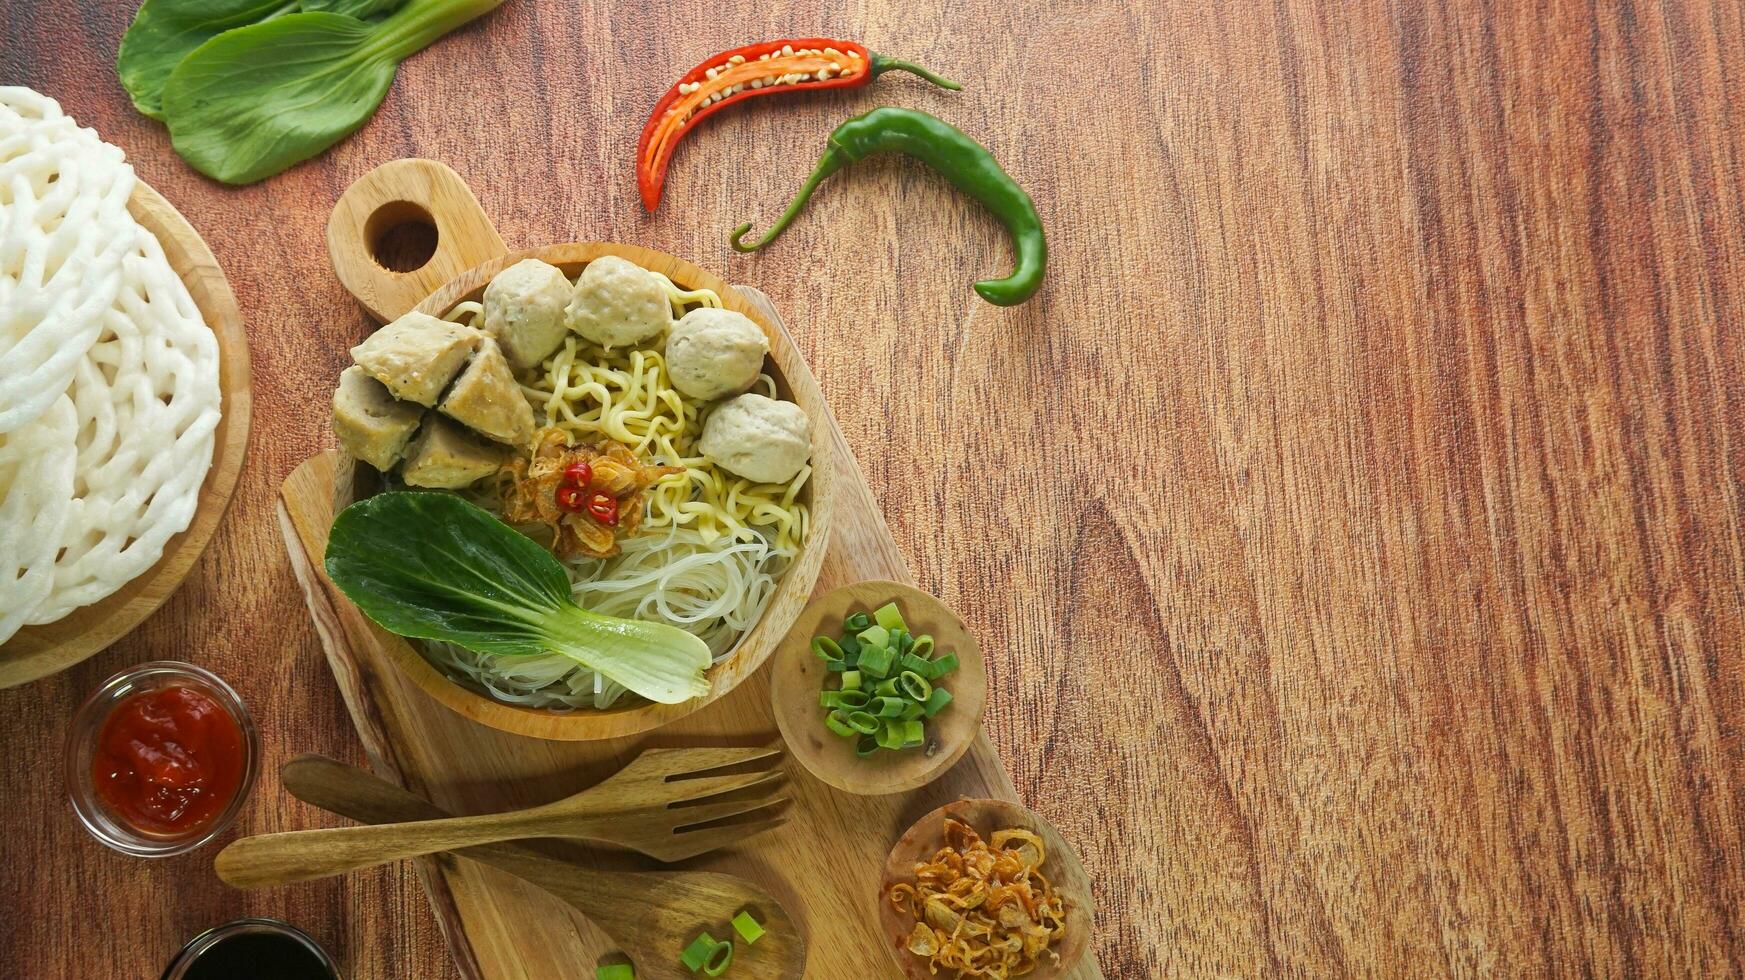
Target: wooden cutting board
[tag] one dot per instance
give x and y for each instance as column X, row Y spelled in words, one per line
column 824, row 865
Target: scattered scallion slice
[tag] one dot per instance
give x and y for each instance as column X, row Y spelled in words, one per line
column 826, row 648
column 851, row 680
column 747, row 927
column 937, row 701
column 888, row 617
column 615, row 971
column 720, row 958
column 697, row 954
column 914, row 686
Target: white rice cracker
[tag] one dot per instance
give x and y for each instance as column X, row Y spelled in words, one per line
column 148, row 402
column 64, row 230
column 36, row 492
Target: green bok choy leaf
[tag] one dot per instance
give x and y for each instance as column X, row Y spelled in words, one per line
column 163, row 32
column 434, row 567
column 257, row 99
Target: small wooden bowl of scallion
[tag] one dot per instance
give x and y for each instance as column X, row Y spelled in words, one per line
column 878, row 688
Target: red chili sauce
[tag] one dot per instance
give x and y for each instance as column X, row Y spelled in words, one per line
column 168, row 761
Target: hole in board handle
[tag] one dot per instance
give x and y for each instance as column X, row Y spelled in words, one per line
column 401, row 236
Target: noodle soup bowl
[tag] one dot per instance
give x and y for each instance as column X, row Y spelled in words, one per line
column 465, row 240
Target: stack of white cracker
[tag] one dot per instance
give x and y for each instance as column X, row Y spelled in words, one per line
column 109, row 391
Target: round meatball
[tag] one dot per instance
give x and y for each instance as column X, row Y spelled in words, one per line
column 761, row 439
column 618, row 303
column 524, row 309
column 711, row 353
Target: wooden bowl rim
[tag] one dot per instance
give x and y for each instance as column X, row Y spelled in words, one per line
column 885, row 773
column 784, row 605
column 38, row 651
column 1062, row 867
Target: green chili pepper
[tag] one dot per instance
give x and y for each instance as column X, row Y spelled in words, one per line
column 967, row 164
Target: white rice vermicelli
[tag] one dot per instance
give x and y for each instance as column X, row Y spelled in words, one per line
column 109, row 394
column 64, row 229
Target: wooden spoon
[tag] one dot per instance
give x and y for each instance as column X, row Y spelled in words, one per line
column 660, row 805
column 1060, row 865
column 797, row 675
column 651, row 915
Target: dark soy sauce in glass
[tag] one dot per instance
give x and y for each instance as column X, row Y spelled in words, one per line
column 252, row 949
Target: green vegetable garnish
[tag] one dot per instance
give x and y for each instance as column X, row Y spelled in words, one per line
column 747, row 927
column 434, row 567
column 707, row 955
column 615, row 971
column 250, row 87
column 888, row 685
column 164, row 32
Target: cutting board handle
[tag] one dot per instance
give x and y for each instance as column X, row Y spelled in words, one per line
column 411, row 191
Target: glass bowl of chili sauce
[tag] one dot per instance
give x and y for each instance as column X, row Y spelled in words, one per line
column 159, row 759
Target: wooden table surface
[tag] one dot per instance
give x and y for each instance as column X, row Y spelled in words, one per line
column 1353, row 521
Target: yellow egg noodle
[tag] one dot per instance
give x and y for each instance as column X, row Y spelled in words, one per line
column 713, row 545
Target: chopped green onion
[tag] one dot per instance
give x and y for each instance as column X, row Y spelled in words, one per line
column 891, row 735
column 856, row 623
column 836, row 666
column 866, row 745
column 937, row 701
column 944, row 665
column 862, row 722
column 615, row 971
column 888, row 707
column 747, row 928
column 888, row 617
column 853, row 700
column 720, row 958
column 905, row 642
column 886, row 688
column 875, row 662
column 923, row 646
column 851, row 680
column 829, row 699
column 916, row 664
column 914, row 685
column 826, row 648
column 837, row 721
column 698, row 953
column 850, row 648
column 874, row 636
column 912, row 711
column 914, row 733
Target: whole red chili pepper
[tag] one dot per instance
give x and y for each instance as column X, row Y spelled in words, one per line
column 757, row 69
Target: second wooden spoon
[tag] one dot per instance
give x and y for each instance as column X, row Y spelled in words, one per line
column 652, row 915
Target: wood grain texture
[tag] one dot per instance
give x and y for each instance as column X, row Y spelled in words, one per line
column 1354, row 518
column 37, row 651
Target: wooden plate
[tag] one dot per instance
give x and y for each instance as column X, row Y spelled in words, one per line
column 37, row 651
column 1061, row 867
column 797, row 675
column 468, row 253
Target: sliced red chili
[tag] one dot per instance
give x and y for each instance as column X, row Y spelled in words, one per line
column 756, row 69
column 578, row 474
column 603, row 507
column 571, row 498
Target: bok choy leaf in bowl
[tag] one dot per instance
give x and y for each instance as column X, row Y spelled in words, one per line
column 432, row 566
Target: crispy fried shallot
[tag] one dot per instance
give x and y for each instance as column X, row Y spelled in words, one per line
column 530, row 493
column 982, row 908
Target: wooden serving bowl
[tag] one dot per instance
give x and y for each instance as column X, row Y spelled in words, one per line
column 37, row 651
column 468, row 253
column 797, row 675
column 1061, row 867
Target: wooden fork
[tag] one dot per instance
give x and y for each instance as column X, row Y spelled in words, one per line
column 663, row 805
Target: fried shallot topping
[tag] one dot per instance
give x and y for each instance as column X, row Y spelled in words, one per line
column 982, row 908
column 589, row 496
